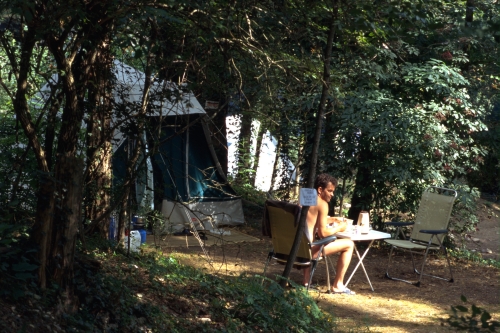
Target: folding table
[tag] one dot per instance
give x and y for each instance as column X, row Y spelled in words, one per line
column 371, row 236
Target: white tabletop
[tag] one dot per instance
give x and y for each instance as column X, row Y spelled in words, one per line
column 372, row 234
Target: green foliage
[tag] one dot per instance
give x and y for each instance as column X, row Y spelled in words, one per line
column 260, row 307
column 477, row 320
column 250, row 193
column 17, row 265
column 410, row 99
column 473, row 256
column 464, row 217
column 142, row 293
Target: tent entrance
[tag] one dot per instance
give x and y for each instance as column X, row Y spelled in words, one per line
column 188, row 181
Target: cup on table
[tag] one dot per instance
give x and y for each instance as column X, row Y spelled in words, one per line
column 349, row 227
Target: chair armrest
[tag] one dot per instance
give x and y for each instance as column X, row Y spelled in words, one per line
column 434, row 232
column 324, row 241
column 399, row 224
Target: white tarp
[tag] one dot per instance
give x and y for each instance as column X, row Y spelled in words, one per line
column 267, row 156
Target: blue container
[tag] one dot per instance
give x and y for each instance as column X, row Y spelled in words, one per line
column 112, row 228
column 143, row 235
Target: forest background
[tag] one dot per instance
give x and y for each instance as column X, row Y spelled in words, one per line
column 407, row 97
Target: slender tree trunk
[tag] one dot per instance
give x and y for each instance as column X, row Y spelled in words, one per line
column 50, row 132
column 361, row 200
column 260, row 134
column 341, row 204
column 61, row 236
column 298, row 171
column 276, row 164
column 69, row 174
column 123, row 215
column 315, row 148
column 99, row 149
column 135, row 150
column 45, row 199
column 218, row 132
column 469, row 12
column 244, row 153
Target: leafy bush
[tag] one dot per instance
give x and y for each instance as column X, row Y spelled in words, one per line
column 153, row 292
column 479, row 319
column 271, row 308
column 473, row 256
column 464, row 217
column 17, row 264
column 250, row 193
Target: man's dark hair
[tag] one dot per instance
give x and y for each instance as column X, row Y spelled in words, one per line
column 323, row 179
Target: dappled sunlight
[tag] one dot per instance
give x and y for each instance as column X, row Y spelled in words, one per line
column 383, row 314
column 392, row 307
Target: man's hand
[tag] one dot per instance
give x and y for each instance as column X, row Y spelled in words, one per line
column 336, row 224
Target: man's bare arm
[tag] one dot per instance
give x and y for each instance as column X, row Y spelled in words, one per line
column 323, row 222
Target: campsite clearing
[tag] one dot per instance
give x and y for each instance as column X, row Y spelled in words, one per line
column 393, row 306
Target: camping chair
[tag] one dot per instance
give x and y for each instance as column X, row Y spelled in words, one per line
column 429, row 229
column 280, row 223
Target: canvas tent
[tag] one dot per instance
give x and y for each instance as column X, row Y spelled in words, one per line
column 184, row 174
column 184, row 171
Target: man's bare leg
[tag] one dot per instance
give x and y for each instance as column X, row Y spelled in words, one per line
column 345, row 248
column 342, row 265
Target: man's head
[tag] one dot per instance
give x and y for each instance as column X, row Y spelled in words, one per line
column 323, row 179
column 325, row 185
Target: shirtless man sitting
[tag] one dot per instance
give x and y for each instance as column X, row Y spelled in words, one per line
column 319, row 223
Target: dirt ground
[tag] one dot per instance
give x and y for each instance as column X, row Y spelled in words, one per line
column 393, row 306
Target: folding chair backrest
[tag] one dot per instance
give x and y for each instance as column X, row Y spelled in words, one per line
column 283, row 231
column 433, row 212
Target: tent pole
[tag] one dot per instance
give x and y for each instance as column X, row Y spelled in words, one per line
column 186, row 164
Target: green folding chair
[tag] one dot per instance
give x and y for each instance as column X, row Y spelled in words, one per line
column 280, row 222
column 429, row 229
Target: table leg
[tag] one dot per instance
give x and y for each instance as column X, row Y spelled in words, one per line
column 327, row 274
column 360, row 262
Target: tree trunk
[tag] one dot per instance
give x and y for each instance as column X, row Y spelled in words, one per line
column 260, row 134
column 361, row 200
column 274, row 175
column 67, row 215
column 50, row 132
column 296, row 188
column 45, row 200
column 469, row 12
column 135, row 149
column 218, row 131
column 99, row 148
column 41, row 230
column 244, row 152
column 315, row 148
column 123, row 215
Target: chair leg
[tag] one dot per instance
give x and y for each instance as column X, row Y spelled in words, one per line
column 313, row 268
column 424, row 262
column 269, row 256
column 442, row 248
column 449, row 264
column 421, row 273
column 314, row 263
column 397, row 279
column 389, row 264
column 327, row 274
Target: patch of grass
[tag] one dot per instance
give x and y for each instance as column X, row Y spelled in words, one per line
column 151, row 292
